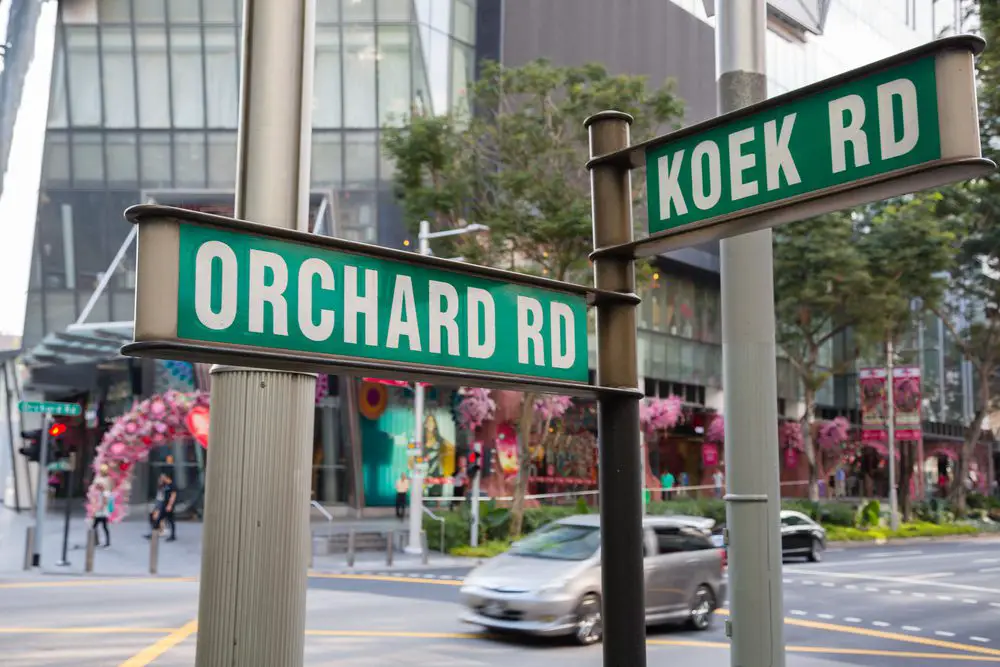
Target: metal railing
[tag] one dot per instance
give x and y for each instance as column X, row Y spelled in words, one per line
column 439, row 520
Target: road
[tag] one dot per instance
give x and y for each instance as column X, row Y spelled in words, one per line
column 927, row 604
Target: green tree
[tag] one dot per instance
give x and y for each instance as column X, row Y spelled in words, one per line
column 518, row 166
column 820, row 282
column 909, row 250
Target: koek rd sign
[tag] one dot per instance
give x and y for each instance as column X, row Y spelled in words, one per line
column 49, row 407
column 900, row 125
column 240, row 291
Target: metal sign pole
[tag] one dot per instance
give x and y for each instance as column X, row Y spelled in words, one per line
column 618, row 415
column 477, row 447
column 252, row 603
column 891, row 428
column 749, row 376
column 8, row 397
column 63, row 561
column 41, row 491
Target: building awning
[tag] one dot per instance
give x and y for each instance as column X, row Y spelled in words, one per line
column 94, row 343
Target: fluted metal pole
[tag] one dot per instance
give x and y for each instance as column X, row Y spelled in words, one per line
column 255, row 552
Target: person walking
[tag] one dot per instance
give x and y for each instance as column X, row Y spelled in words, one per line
column 166, row 499
column 105, row 507
column 402, row 489
column 667, row 482
column 718, row 480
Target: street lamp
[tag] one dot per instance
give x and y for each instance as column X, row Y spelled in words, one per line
column 417, row 487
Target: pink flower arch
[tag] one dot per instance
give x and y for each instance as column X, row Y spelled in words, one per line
column 153, row 422
column 790, row 436
column 716, row 431
column 660, row 414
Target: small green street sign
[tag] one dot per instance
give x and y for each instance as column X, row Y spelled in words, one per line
column 223, row 288
column 49, row 407
column 900, row 125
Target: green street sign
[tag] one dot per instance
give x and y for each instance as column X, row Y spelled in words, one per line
column 897, row 126
column 244, row 293
column 49, row 407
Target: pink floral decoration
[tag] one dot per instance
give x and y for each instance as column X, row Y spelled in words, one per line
column 716, row 431
column 551, row 406
column 152, row 422
column 322, row 386
column 660, row 414
column 833, row 433
column 790, row 436
column 475, row 407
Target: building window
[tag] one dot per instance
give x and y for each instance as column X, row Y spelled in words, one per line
column 222, row 160
column 359, row 10
column 189, row 159
column 120, row 149
column 88, row 159
column 118, row 77
column 184, row 11
column 149, row 11
column 361, row 158
column 58, row 113
column 154, row 81
column 327, row 160
column 222, row 77
column 393, row 75
column 155, row 160
column 222, row 11
column 360, row 55
column 394, row 10
column 326, row 79
column 187, row 86
column 84, row 76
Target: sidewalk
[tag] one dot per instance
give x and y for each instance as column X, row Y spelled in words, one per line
column 130, row 552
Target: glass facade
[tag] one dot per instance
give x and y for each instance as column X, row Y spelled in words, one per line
column 144, row 98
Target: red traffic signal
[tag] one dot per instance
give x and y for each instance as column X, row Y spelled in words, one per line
column 57, row 430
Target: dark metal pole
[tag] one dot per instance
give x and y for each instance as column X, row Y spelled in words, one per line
column 618, row 417
column 41, row 491
column 10, row 434
column 66, row 510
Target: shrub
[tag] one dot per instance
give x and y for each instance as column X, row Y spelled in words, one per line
column 487, row 550
column 809, row 508
column 907, row 530
column 870, row 514
column 836, row 514
column 713, row 508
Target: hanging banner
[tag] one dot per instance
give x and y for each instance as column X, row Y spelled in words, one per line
column 906, row 399
column 791, row 457
column 709, row 454
column 872, row 392
column 506, row 448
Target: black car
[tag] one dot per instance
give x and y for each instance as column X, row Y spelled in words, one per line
column 800, row 536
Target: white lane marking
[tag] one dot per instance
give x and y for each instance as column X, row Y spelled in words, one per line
column 985, row 561
column 911, row 628
column 984, row 640
column 933, row 575
column 798, row 612
column 871, row 589
column 942, row 633
column 852, row 619
column 881, row 624
column 431, row 576
column 895, row 592
column 969, row 601
column 919, row 594
column 899, row 580
column 851, row 587
column 825, row 617
column 893, row 554
column 944, row 597
column 995, row 604
column 786, row 581
column 827, row 584
column 987, row 570
column 807, row 582
column 814, row 569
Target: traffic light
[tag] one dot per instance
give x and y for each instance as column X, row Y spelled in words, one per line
column 57, row 430
column 474, row 464
column 32, row 444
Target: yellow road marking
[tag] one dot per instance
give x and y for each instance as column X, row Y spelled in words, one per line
column 95, row 582
column 161, row 646
column 881, row 634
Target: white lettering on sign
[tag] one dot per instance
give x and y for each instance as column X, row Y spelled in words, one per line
column 843, row 132
column 482, row 340
column 271, row 293
column 403, row 315
column 706, row 150
column 207, row 254
column 357, row 304
column 529, row 331
column 906, row 92
column 562, row 327
column 442, row 318
column 310, row 269
column 740, row 162
column 777, row 156
column 670, row 189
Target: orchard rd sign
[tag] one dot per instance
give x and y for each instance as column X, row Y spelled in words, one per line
column 900, row 125
column 311, row 298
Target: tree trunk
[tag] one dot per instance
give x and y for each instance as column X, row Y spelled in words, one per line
column 523, row 465
column 809, row 444
column 972, row 436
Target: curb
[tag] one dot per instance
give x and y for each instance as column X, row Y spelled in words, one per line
column 848, row 544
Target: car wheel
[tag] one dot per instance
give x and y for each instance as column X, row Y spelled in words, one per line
column 702, row 608
column 815, row 551
column 589, row 627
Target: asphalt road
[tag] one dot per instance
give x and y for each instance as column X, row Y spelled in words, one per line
column 926, row 604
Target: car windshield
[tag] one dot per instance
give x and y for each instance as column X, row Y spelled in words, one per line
column 560, row 542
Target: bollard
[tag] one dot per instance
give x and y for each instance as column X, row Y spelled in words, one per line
column 390, row 537
column 425, row 555
column 29, row 547
column 350, row 548
column 154, row 552
column 88, row 561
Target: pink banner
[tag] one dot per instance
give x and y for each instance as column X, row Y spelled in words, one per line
column 872, row 391
column 906, row 399
column 709, row 454
column 791, row 457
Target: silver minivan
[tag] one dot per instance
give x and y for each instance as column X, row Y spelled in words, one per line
column 549, row 583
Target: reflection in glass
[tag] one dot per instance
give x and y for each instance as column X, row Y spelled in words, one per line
column 360, row 55
column 393, row 75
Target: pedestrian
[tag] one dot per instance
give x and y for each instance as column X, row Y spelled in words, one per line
column 166, row 499
column 667, row 482
column 104, row 509
column 461, row 481
column 718, row 480
column 840, row 479
column 685, row 481
column 402, row 488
